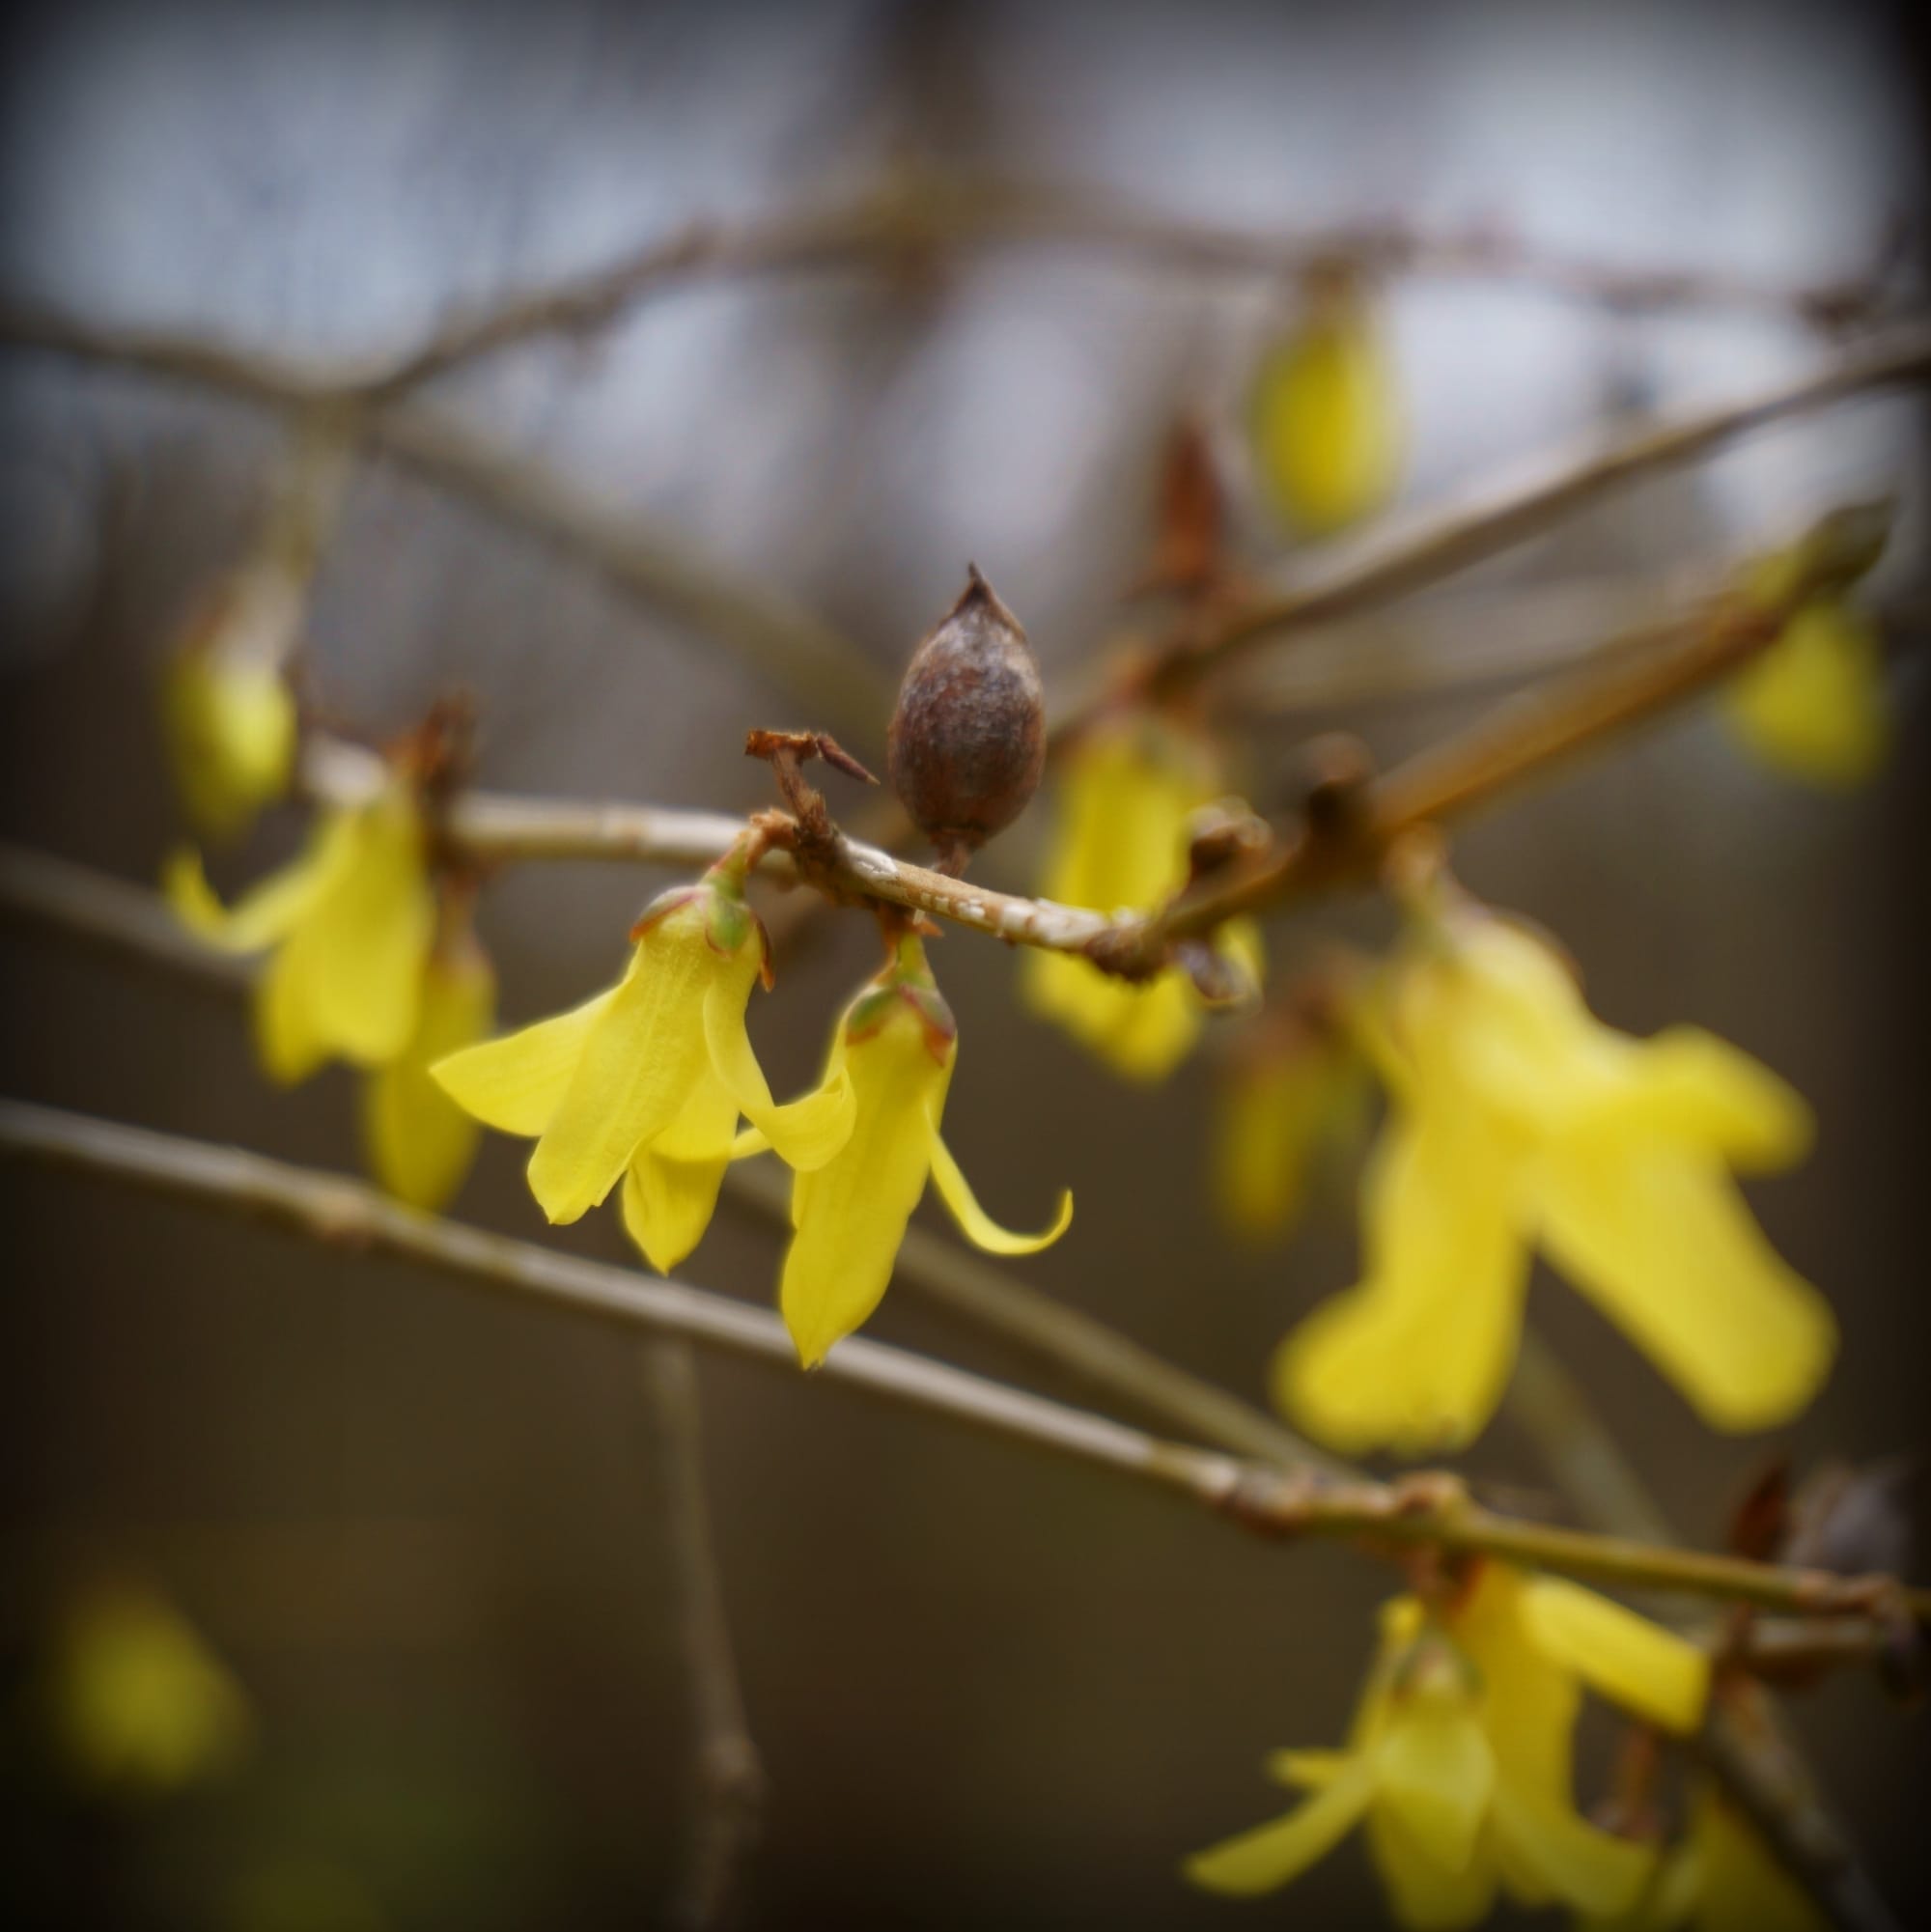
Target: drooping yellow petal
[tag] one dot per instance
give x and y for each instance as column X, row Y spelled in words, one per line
column 287, row 1042
column 357, row 951
column 1326, row 418
column 1414, row 1359
column 1424, row 1895
column 1742, row 1886
column 261, row 917
column 420, row 1143
column 974, row 1222
column 1529, row 1701
column 230, row 728
column 1637, row 1665
column 670, row 1191
column 1662, row 1240
column 1269, row 1855
column 806, row 1132
column 516, row 1083
column 1691, row 1086
column 850, row 1216
column 640, row 1060
column 1813, row 706
column 1548, row 1853
column 1434, row 1773
column 1307, row 1770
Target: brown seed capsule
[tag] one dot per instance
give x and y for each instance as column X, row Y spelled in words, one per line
column 967, row 741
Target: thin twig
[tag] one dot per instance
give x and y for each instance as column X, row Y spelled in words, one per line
column 1420, row 1511
column 727, row 1775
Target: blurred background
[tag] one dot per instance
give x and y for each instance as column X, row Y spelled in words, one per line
column 418, row 1535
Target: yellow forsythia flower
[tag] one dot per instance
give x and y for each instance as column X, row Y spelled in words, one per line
column 1326, row 413
column 1516, row 1121
column 351, row 922
column 227, row 712
column 1813, row 704
column 1458, row 1763
column 420, row 1143
column 893, row 1053
column 1294, row 1089
column 138, row 1703
column 1129, row 790
column 645, row 1082
column 1722, row 1878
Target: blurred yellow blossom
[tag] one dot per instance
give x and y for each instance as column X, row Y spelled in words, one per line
column 1458, row 1763
column 645, row 1082
column 350, row 923
column 893, row 1053
column 1294, row 1089
column 420, row 1143
column 1129, row 789
column 228, row 715
column 1722, row 1878
column 139, row 1706
column 1327, row 412
column 1813, row 704
column 1518, row 1120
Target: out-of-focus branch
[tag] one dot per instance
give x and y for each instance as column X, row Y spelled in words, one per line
column 727, row 1776
column 1427, row 1510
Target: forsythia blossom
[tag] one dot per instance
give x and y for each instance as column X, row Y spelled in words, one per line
column 227, row 712
column 1813, row 704
column 138, row 1704
column 1294, row 1090
column 1516, row 1121
column 1326, row 413
column 893, row 1053
column 350, row 923
column 1129, row 789
column 1720, row 1879
column 1458, row 1763
column 645, row 1082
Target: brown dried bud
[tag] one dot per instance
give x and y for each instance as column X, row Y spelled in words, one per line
column 967, row 741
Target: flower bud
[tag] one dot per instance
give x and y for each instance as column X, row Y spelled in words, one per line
column 967, row 741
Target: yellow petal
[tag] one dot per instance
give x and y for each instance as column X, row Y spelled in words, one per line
column 357, row 951
column 1269, row 1855
column 287, row 1042
column 1307, row 1770
column 1423, row 1895
column 670, row 1191
column 230, row 736
column 1327, row 420
column 1529, row 1701
column 850, row 1216
column 1661, row 1237
column 1696, row 1087
column 806, row 1132
column 1813, row 706
column 641, row 1059
column 1434, row 1773
column 260, row 919
column 1414, row 1359
column 1549, row 1854
column 420, row 1143
column 1637, row 1665
column 978, row 1226
column 1743, row 1889
column 515, row 1084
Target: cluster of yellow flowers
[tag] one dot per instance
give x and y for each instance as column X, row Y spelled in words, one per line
column 1458, row 1766
column 645, row 1083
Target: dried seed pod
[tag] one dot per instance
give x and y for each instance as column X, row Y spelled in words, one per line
column 967, row 741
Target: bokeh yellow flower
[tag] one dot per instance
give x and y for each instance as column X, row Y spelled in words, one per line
column 893, row 1053
column 1128, row 792
column 1458, row 1763
column 350, row 921
column 1293, row 1093
column 1518, row 1121
column 645, row 1082
column 1813, row 706
column 1327, row 412
column 137, row 1703
column 420, row 1144
column 1722, row 1878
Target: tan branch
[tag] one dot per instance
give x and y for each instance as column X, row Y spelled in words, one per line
column 728, row 1777
column 1428, row 1510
